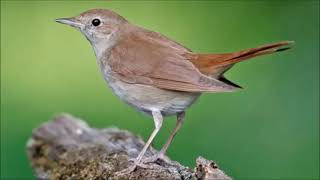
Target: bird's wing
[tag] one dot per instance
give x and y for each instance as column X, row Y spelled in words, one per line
column 145, row 57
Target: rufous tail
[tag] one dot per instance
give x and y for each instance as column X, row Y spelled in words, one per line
column 210, row 63
column 216, row 64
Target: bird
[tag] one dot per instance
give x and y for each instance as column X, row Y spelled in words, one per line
column 155, row 74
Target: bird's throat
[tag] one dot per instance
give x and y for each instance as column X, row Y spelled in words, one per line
column 102, row 46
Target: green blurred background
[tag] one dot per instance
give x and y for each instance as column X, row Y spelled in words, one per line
column 268, row 130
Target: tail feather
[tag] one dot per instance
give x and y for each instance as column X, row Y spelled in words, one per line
column 250, row 53
column 215, row 65
column 209, row 63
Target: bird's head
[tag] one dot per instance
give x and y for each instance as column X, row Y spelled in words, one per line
column 98, row 25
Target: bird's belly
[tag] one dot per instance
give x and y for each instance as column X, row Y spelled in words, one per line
column 146, row 98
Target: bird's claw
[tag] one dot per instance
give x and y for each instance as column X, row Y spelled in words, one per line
column 126, row 171
column 132, row 167
column 154, row 158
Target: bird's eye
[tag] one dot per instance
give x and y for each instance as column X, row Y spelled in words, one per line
column 96, row 22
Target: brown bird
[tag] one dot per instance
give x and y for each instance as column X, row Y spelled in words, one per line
column 153, row 73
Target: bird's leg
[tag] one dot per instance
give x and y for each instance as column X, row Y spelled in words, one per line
column 158, row 119
column 160, row 155
column 180, row 119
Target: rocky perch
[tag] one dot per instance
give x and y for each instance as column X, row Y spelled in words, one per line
column 67, row 148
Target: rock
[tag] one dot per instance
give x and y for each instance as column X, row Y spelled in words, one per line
column 67, row 148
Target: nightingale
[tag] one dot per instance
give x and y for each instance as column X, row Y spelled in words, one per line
column 153, row 73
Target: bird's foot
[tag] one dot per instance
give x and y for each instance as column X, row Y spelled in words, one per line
column 154, row 158
column 126, row 171
column 137, row 163
column 132, row 167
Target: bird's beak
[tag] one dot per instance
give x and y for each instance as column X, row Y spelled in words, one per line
column 70, row 21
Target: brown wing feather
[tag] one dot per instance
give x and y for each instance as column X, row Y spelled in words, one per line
column 144, row 57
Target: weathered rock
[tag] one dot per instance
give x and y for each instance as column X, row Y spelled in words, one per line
column 67, row 148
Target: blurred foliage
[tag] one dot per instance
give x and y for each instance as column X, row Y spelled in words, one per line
column 268, row 130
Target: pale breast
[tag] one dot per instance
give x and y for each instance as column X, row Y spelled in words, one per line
column 146, row 98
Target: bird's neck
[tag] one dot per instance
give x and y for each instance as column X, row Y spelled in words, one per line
column 102, row 49
column 103, row 46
